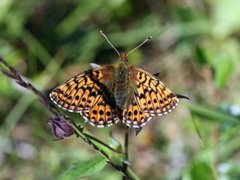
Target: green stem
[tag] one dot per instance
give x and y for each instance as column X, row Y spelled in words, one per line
column 102, row 143
column 125, row 163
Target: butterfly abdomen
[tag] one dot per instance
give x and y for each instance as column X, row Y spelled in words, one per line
column 122, row 84
column 120, row 95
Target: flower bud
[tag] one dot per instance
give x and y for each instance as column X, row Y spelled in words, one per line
column 60, row 128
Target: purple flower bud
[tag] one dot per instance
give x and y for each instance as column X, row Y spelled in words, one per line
column 60, row 128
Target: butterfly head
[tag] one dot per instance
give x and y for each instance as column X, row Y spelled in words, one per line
column 121, row 73
column 122, row 63
column 123, row 57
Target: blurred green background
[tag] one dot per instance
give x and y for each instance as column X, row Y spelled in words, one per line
column 195, row 47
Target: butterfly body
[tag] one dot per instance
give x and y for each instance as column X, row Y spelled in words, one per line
column 121, row 79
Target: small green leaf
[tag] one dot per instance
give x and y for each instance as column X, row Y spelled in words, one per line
column 224, row 68
column 201, row 170
column 118, row 158
column 202, row 166
column 200, row 55
column 84, row 169
column 114, row 143
column 221, row 61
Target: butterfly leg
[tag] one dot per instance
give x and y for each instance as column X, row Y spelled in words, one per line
column 157, row 75
column 137, row 130
column 182, row 96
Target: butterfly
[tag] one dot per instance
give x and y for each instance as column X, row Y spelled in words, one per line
column 107, row 94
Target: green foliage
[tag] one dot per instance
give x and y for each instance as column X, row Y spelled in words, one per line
column 84, row 169
column 226, row 17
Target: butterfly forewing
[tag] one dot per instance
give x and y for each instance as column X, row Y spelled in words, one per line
column 86, row 94
column 151, row 94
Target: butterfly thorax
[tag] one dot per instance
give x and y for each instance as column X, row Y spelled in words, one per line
column 122, row 83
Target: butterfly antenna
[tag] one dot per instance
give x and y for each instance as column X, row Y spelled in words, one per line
column 104, row 35
column 146, row 40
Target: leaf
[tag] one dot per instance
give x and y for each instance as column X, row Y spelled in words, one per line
column 114, row 143
column 226, row 17
column 221, row 60
column 212, row 114
column 201, row 170
column 224, row 67
column 201, row 166
column 5, row 5
column 200, row 55
column 84, row 169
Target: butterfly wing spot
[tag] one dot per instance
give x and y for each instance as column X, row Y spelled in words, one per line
column 101, row 115
column 133, row 116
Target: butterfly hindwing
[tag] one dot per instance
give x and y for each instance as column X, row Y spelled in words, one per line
column 134, row 116
column 101, row 115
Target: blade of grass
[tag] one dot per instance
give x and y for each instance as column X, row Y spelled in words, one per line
column 213, row 114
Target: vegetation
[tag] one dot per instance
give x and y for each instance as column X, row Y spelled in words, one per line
column 195, row 47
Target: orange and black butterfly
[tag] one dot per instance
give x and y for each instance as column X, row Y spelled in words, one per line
column 117, row 92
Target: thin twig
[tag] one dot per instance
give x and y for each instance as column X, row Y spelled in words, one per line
column 125, row 163
column 13, row 74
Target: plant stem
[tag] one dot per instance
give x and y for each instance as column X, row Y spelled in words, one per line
column 125, row 163
column 101, row 142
